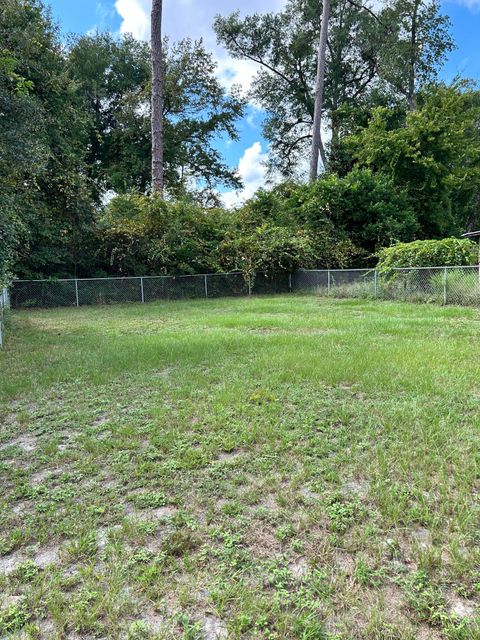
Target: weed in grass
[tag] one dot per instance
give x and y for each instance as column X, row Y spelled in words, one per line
column 13, row 617
column 149, row 500
column 341, row 515
column 27, row 571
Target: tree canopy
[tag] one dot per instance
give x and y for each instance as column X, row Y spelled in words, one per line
column 371, row 58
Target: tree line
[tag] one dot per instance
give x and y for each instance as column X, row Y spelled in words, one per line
column 399, row 150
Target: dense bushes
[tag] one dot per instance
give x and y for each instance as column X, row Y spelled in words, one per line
column 428, row 253
column 366, row 206
column 9, row 237
column 140, row 235
column 291, row 226
column 75, row 127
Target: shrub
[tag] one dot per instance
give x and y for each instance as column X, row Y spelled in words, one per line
column 268, row 249
column 144, row 235
column 428, row 253
column 365, row 205
column 294, row 211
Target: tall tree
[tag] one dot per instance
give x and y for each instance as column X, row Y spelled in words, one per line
column 434, row 155
column 43, row 180
column 157, row 97
column 370, row 59
column 285, row 46
column 112, row 77
column 416, row 42
column 317, row 146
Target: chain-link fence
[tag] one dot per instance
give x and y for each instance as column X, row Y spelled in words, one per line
column 443, row 285
column 87, row 291
column 339, row 283
column 4, row 304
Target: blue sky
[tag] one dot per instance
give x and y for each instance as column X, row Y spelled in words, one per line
column 248, row 153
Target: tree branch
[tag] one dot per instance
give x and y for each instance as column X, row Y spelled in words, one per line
column 361, row 7
column 261, row 62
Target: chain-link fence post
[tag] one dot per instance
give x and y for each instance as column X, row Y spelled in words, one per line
column 141, row 289
column 249, row 282
column 76, row 293
column 205, row 277
column 445, row 285
column 290, row 282
column 4, row 304
column 1, row 317
column 328, row 282
column 375, row 282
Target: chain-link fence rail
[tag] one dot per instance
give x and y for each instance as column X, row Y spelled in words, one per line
column 4, row 304
column 442, row 285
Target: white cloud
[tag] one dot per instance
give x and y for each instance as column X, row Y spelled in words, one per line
column 135, row 16
column 185, row 18
column 231, row 71
column 193, row 19
column 252, row 171
column 104, row 14
column 195, row 23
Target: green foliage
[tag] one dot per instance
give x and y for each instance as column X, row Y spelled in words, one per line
column 415, row 42
column 13, row 618
column 331, row 220
column 268, row 248
column 112, row 77
column 291, row 226
column 27, row 571
column 150, row 499
column 295, row 208
column 371, row 61
column 142, row 235
column 42, row 144
column 341, row 514
column 75, row 123
column 368, row 207
column 10, row 229
column 428, row 253
column 284, row 44
column 434, row 156
column 425, row 599
column 75, row 127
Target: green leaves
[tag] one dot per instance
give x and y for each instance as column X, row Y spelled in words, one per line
column 434, row 156
column 113, row 79
column 428, row 253
column 373, row 59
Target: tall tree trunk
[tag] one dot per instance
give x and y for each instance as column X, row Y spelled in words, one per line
column 412, row 103
column 317, row 146
column 157, row 98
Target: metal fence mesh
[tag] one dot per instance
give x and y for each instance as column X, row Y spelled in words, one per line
column 88, row 291
column 442, row 285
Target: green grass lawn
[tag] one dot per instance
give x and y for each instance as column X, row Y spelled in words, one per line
column 279, row 468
